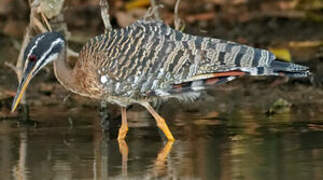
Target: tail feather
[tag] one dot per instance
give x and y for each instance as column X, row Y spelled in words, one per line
column 279, row 68
column 290, row 69
column 278, row 65
column 296, row 74
column 203, row 81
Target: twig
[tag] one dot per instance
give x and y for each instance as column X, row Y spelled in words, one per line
column 177, row 20
column 11, row 66
column 19, row 64
column 34, row 4
column 39, row 25
column 155, row 9
column 104, row 5
column 46, row 21
column 151, row 12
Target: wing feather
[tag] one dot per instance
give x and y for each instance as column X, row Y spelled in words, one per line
column 154, row 57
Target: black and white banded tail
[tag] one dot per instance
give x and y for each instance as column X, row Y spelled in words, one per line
column 277, row 68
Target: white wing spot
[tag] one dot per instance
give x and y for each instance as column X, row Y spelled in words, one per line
column 103, row 79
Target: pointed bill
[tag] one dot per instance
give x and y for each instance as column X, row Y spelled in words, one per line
column 20, row 91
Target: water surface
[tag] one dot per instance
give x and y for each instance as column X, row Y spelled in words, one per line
column 242, row 144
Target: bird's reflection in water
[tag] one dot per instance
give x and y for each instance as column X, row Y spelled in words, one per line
column 159, row 165
column 202, row 151
column 123, row 148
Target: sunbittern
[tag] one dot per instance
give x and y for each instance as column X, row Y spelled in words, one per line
column 148, row 61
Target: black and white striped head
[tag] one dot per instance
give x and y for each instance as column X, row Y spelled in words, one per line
column 41, row 50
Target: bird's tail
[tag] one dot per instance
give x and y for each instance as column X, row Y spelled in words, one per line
column 203, row 81
column 289, row 69
column 278, row 68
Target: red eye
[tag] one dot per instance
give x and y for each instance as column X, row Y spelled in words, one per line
column 32, row 58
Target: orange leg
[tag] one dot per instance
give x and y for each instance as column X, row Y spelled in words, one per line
column 124, row 124
column 159, row 120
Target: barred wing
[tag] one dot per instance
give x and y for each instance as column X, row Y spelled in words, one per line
column 150, row 58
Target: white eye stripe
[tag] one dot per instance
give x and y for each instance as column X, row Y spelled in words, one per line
column 36, row 43
column 57, row 41
column 32, row 49
column 50, row 58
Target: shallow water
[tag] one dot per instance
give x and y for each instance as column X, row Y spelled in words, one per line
column 244, row 144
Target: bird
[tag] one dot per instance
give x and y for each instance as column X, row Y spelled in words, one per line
column 146, row 62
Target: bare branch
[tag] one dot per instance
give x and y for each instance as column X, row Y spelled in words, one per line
column 155, row 9
column 49, row 28
column 11, row 66
column 152, row 11
column 177, row 20
column 39, row 25
column 19, row 64
column 34, row 4
column 104, row 5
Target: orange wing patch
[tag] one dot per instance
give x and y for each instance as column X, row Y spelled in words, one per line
column 228, row 73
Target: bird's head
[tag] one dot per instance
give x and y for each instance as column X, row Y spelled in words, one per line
column 41, row 50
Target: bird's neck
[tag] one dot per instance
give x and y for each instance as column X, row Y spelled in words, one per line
column 64, row 73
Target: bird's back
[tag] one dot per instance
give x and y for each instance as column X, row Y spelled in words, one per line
column 149, row 59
